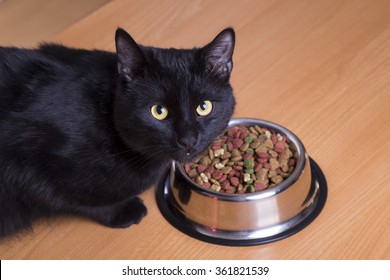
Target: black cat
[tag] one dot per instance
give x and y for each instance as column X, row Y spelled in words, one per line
column 84, row 132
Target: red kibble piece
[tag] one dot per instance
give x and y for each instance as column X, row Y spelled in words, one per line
column 238, row 167
column 217, row 174
column 261, row 139
column 291, row 162
column 231, row 132
column 267, row 165
column 259, row 186
column 244, row 134
column 258, row 167
column 242, row 128
column 230, row 146
column 262, row 155
column 202, row 168
column 223, row 178
column 210, row 169
column 234, row 181
column 247, row 156
column 187, row 168
column 216, row 146
column 207, row 185
column 262, row 160
column 279, row 147
column 232, row 173
column 237, row 143
column 225, row 185
column 230, row 190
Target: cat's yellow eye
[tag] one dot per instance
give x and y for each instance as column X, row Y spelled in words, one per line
column 159, row 112
column 204, row 108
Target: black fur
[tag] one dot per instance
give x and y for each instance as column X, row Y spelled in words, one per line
column 77, row 135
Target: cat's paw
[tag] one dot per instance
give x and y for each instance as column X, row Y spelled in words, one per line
column 127, row 214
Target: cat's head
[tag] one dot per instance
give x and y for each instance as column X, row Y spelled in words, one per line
column 171, row 103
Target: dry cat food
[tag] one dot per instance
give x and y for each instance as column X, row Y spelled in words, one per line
column 245, row 159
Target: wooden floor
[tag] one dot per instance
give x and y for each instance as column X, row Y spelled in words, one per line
column 319, row 68
column 27, row 22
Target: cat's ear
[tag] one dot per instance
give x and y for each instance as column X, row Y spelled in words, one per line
column 131, row 60
column 217, row 56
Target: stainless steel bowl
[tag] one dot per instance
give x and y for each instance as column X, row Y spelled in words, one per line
column 245, row 219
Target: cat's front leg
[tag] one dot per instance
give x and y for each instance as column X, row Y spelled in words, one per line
column 120, row 215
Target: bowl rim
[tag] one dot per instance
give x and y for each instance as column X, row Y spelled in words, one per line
column 289, row 181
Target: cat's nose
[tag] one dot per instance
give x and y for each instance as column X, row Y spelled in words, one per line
column 187, row 142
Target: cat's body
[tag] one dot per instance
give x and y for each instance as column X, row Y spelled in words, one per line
column 85, row 132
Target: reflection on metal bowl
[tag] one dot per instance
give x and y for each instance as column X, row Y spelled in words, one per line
column 250, row 218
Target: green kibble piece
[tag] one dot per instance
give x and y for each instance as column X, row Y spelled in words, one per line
column 248, row 139
column 248, row 164
column 251, row 189
column 250, row 151
column 224, row 147
column 249, row 170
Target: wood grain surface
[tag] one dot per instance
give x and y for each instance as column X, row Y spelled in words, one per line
column 24, row 23
column 319, row 68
